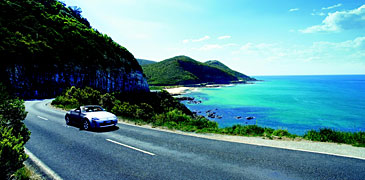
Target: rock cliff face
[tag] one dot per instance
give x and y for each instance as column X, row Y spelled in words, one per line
column 45, row 81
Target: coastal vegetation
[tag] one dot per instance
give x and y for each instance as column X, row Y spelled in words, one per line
column 48, row 32
column 183, row 70
column 160, row 109
column 13, row 133
column 330, row 135
column 46, row 46
column 42, row 41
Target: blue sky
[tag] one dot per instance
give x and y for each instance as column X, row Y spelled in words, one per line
column 256, row 37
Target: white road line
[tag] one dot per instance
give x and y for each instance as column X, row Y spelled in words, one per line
column 42, row 118
column 42, row 166
column 140, row 150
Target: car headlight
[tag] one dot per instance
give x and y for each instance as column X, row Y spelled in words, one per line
column 94, row 119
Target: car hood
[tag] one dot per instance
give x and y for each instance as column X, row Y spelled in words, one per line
column 100, row 115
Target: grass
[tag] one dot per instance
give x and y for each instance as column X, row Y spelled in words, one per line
column 330, row 135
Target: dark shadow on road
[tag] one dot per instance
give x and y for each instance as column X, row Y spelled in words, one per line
column 97, row 130
column 106, row 129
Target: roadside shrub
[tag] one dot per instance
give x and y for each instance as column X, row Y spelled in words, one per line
column 23, row 174
column 87, row 96
column 249, row 130
column 13, row 133
column 176, row 119
column 330, row 135
column 359, row 139
column 324, row 135
column 281, row 133
column 161, row 102
column 174, row 116
column 145, row 112
column 108, row 101
column 12, row 153
column 12, row 114
column 124, row 109
column 66, row 103
column 74, row 97
column 268, row 132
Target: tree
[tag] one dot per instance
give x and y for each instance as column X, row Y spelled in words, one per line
column 13, row 133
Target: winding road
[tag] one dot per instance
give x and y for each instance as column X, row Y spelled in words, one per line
column 130, row 152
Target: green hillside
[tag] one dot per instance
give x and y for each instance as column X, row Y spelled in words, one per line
column 182, row 70
column 46, row 47
column 48, row 32
column 217, row 64
column 145, row 62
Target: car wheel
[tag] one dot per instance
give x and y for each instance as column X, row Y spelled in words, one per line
column 86, row 124
column 67, row 119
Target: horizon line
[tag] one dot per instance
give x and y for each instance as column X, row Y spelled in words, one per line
column 308, row 75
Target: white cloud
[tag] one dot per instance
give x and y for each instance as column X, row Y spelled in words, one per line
column 208, row 47
column 264, row 51
column 318, row 14
column 293, row 9
column 185, row 40
column 340, row 20
column 200, row 39
column 196, row 40
column 322, row 51
column 224, row 37
column 331, row 7
column 346, row 51
column 357, row 43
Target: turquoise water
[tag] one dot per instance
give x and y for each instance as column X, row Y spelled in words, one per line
column 295, row 103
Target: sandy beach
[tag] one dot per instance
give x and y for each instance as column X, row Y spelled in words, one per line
column 179, row 90
column 184, row 89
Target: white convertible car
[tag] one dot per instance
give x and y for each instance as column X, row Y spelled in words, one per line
column 91, row 116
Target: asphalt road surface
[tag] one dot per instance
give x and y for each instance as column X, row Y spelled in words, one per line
column 130, row 152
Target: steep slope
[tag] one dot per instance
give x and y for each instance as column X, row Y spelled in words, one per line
column 145, row 62
column 46, row 47
column 217, row 64
column 182, row 70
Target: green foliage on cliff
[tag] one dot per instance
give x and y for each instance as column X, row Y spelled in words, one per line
column 13, row 133
column 182, row 70
column 160, row 102
column 48, row 32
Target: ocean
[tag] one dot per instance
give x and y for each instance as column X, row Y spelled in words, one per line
column 294, row 103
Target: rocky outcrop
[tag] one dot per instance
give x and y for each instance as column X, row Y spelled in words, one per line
column 45, row 81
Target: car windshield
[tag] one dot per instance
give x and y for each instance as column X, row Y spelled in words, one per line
column 93, row 109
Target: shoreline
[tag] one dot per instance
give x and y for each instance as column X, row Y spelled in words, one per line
column 186, row 89
column 179, row 90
